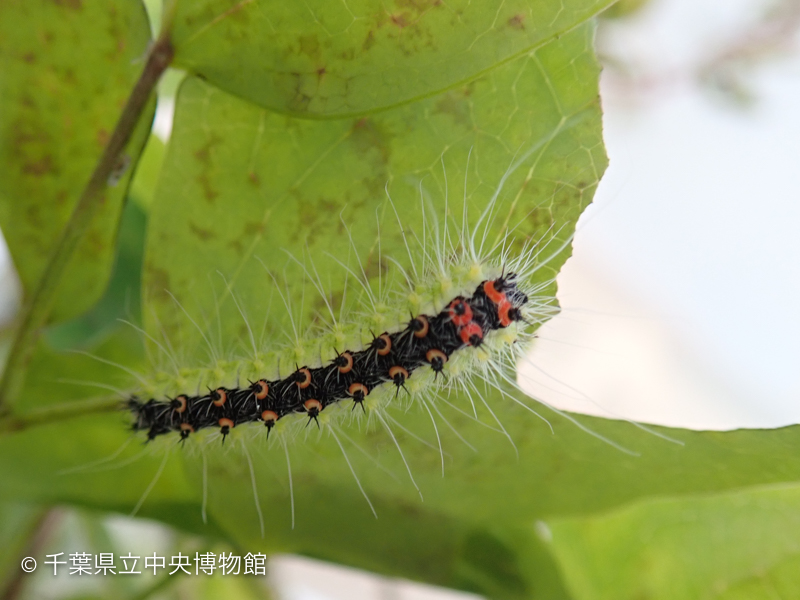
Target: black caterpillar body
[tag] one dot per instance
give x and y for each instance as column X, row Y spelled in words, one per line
column 390, row 357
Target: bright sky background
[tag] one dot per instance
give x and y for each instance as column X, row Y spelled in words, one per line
column 683, row 296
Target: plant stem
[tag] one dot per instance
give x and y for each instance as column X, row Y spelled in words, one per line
column 38, row 306
column 43, row 529
column 59, row 412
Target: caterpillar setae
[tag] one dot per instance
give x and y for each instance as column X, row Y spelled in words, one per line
column 463, row 310
column 442, row 332
column 390, row 358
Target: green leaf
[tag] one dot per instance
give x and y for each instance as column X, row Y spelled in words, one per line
column 67, row 68
column 18, row 524
column 243, row 187
column 331, row 59
column 742, row 544
column 122, row 298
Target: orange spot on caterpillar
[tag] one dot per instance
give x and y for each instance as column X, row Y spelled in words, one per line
column 471, row 334
column 398, row 371
column 460, row 312
column 312, row 406
column 382, row 344
column 303, row 378
column 179, row 403
column 436, row 358
column 344, row 362
column 226, row 425
column 186, row 429
column 269, row 417
column 358, row 391
column 219, row 396
column 420, row 326
column 398, row 375
column 260, row 389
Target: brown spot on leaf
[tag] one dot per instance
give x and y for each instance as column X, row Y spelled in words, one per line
column 309, row 45
column 253, row 178
column 34, row 216
column 102, row 137
column 203, row 154
column 399, row 20
column 253, row 228
column 236, row 246
column 29, row 57
column 369, row 41
column 205, row 235
column 367, row 136
column 158, row 283
column 456, row 107
column 517, row 22
column 208, row 190
column 40, row 167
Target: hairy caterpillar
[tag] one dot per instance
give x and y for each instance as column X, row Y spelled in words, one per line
column 462, row 311
column 445, row 263
column 389, row 358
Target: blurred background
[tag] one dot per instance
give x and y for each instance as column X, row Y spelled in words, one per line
column 681, row 304
column 681, row 299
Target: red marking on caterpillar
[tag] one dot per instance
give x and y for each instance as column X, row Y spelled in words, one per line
column 472, row 334
column 460, row 312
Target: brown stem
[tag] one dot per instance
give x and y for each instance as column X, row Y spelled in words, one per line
column 43, row 529
column 59, row 413
column 38, row 306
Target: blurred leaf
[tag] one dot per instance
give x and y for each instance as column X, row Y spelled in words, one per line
column 742, row 544
column 148, row 169
column 67, row 69
column 18, row 523
column 330, row 59
column 122, row 298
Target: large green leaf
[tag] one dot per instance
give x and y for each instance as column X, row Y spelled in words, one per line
column 66, row 69
column 742, row 544
column 327, row 59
